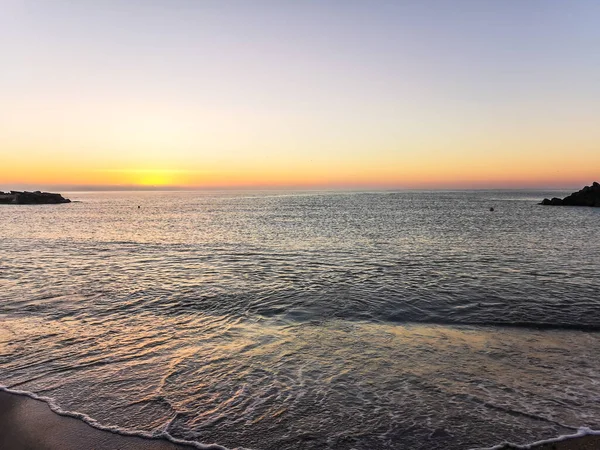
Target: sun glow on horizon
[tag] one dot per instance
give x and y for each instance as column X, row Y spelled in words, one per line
column 148, row 177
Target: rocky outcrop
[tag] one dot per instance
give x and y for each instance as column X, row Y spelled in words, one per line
column 588, row 196
column 31, row 198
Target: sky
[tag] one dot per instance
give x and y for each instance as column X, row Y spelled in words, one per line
column 302, row 94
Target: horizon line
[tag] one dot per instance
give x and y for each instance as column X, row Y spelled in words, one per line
column 176, row 188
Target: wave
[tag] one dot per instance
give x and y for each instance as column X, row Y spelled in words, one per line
column 163, row 435
column 582, row 432
column 500, row 324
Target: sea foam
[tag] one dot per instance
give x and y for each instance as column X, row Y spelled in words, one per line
column 112, row 429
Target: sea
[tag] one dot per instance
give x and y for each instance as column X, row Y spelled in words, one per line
column 307, row 320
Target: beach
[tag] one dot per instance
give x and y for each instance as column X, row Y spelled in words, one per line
column 582, row 443
column 589, row 442
column 287, row 225
column 30, row 424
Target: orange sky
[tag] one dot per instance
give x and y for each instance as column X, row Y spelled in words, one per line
column 227, row 97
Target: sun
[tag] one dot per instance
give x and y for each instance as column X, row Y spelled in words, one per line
column 154, row 178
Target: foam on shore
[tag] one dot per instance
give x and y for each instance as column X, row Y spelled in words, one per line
column 163, row 435
column 581, row 433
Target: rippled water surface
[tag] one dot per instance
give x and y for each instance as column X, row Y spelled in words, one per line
column 308, row 320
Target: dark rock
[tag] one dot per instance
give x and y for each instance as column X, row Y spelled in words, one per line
column 554, row 202
column 588, row 196
column 31, row 198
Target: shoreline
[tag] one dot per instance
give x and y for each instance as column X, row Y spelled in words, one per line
column 584, row 439
column 28, row 421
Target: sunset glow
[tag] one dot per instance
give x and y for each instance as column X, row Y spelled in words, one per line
column 418, row 95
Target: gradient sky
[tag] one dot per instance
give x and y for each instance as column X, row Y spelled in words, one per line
column 405, row 94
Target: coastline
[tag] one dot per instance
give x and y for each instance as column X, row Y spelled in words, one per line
column 568, row 442
column 29, row 422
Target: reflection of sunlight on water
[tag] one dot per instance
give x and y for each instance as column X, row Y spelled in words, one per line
column 275, row 321
column 212, row 377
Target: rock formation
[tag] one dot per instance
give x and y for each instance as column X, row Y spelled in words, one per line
column 31, row 198
column 588, row 196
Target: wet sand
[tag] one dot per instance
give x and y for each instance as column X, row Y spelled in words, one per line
column 29, row 424
column 583, row 443
column 590, row 442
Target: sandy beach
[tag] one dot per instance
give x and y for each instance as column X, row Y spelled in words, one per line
column 590, row 442
column 583, row 443
column 300, row 225
column 29, row 424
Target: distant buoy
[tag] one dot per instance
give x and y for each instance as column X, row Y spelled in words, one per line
column 491, row 209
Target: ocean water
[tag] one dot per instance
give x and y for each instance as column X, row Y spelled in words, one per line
column 308, row 320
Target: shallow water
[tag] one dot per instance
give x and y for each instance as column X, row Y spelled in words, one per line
column 308, row 320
